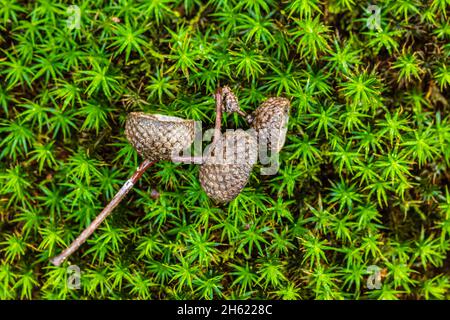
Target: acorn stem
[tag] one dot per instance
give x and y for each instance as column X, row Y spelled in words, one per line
column 219, row 110
column 188, row 159
column 58, row 260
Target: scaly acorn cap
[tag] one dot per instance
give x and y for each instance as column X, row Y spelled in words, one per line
column 227, row 165
column 157, row 137
column 270, row 121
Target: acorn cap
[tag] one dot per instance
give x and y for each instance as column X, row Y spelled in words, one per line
column 157, row 137
column 227, row 165
column 270, row 121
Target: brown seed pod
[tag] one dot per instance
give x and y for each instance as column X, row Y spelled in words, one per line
column 270, row 121
column 227, row 165
column 157, row 137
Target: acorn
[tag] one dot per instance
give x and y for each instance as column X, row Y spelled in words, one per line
column 270, row 121
column 227, row 165
column 157, row 137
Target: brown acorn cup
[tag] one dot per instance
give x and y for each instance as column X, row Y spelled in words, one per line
column 227, row 166
column 155, row 137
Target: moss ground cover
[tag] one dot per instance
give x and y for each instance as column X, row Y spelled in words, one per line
column 359, row 209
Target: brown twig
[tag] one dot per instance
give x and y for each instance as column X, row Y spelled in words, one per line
column 58, row 260
column 220, row 95
column 225, row 101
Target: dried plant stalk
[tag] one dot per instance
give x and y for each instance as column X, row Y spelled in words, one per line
column 59, row 259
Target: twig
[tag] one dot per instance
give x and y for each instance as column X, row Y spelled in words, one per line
column 242, row 114
column 186, row 159
column 58, row 260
